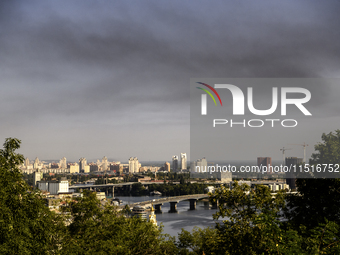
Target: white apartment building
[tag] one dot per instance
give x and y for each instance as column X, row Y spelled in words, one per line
column 62, row 163
column 133, row 165
column 184, row 161
column 54, row 187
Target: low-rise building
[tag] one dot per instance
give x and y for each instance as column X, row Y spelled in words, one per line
column 54, row 187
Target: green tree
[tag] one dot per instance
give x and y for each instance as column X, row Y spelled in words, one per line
column 27, row 226
column 253, row 224
column 137, row 189
column 318, row 199
column 198, row 241
column 96, row 230
column 328, row 151
column 251, row 219
column 99, row 181
column 181, row 180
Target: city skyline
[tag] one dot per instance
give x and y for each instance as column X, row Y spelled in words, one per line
column 87, row 79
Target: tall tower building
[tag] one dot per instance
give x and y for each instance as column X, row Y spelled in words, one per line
column 99, row 165
column 27, row 162
column 198, row 168
column 105, row 163
column 202, row 163
column 82, row 164
column 133, row 165
column 37, row 176
column 62, row 163
column 183, row 161
column 74, row 168
column 167, row 166
column 265, row 161
column 36, row 163
column 175, row 163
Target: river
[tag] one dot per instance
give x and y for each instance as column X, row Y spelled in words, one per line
column 184, row 218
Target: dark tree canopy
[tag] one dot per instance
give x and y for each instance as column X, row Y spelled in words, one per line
column 319, row 198
column 252, row 218
column 27, row 226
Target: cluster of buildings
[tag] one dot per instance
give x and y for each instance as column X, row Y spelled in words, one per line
column 63, row 167
column 262, row 163
column 289, row 176
column 133, row 166
column 179, row 164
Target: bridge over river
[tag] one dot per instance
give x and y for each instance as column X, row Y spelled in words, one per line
column 172, row 200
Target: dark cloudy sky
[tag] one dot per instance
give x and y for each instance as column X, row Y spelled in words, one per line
column 93, row 78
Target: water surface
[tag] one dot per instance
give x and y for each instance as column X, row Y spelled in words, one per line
column 184, row 218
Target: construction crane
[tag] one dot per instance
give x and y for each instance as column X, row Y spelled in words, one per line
column 283, row 154
column 304, row 145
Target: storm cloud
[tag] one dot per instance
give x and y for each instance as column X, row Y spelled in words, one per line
column 89, row 78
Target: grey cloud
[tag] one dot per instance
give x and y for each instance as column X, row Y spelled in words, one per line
column 84, row 59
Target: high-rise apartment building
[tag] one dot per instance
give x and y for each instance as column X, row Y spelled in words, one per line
column 174, row 163
column 36, row 163
column 197, row 168
column 265, row 162
column 133, row 165
column 62, row 163
column 86, row 169
column 99, row 164
column 37, row 176
column 167, row 166
column 105, row 163
column 27, row 162
column 82, row 164
column 202, row 164
column 74, row 168
column 184, row 161
column 93, row 167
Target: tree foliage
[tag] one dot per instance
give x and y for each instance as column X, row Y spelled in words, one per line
column 250, row 220
column 99, row 229
column 27, row 226
column 328, row 151
column 253, row 223
column 318, row 199
column 198, row 241
column 86, row 226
